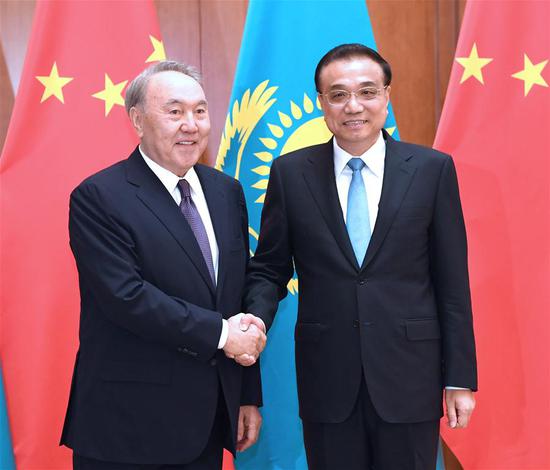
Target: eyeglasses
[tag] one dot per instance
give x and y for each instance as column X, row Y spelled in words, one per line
column 341, row 97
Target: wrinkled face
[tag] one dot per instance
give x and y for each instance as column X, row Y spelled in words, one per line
column 357, row 124
column 173, row 122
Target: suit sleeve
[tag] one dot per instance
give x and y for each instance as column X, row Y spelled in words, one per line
column 251, row 387
column 271, row 267
column 449, row 268
column 109, row 269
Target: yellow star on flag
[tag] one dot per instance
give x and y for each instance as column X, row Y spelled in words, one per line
column 53, row 84
column 531, row 74
column 158, row 53
column 473, row 65
column 112, row 94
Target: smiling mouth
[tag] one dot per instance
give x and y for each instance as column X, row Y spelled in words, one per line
column 355, row 123
column 186, row 142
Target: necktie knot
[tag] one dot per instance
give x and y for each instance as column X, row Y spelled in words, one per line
column 356, row 164
column 185, row 189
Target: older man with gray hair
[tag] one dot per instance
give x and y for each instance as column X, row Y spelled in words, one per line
column 161, row 247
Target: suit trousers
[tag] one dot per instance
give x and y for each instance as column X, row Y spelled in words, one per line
column 210, row 459
column 364, row 441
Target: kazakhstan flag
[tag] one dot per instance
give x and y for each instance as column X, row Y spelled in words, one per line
column 6, row 454
column 274, row 110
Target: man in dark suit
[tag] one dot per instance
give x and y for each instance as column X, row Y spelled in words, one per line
column 374, row 229
column 160, row 244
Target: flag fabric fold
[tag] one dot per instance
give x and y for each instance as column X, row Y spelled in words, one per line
column 68, row 122
column 496, row 122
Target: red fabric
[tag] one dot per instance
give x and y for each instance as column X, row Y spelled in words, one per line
column 50, row 148
column 499, row 137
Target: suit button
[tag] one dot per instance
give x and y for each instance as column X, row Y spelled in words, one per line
column 213, row 362
column 362, row 282
column 356, row 323
column 180, row 349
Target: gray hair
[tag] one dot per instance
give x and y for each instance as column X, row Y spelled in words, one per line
column 135, row 93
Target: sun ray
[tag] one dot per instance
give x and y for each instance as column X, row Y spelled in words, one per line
column 270, row 143
column 261, row 184
column 262, row 170
column 285, row 119
column 264, row 156
column 308, row 105
column 295, row 110
column 276, row 130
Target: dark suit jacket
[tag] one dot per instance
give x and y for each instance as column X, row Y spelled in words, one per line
column 147, row 374
column 403, row 318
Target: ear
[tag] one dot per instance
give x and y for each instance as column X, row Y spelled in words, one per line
column 136, row 117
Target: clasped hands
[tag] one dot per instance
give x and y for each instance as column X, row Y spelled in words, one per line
column 246, row 338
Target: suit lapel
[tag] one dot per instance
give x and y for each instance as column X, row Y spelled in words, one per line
column 319, row 176
column 219, row 214
column 154, row 195
column 398, row 175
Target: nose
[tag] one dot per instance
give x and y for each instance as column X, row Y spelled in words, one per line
column 354, row 105
column 188, row 123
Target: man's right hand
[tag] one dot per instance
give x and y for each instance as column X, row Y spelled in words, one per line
column 245, row 341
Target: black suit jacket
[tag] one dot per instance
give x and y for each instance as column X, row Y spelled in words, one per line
column 147, row 374
column 403, row 318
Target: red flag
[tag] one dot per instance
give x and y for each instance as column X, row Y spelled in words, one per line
column 496, row 123
column 68, row 122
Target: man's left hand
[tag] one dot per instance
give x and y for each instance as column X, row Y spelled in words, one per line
column 460, row 406
column 250, row 422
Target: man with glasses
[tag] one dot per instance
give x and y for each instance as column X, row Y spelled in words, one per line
column 374, row 229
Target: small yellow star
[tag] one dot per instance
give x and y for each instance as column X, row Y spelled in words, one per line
column 531, row 74
column 53, row 84
column 158, row 53
column 112, row 94
column 473, row 65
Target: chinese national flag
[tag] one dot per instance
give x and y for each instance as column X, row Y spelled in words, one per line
column 68, row 122
column 496, row 123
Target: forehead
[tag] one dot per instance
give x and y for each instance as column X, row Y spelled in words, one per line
column 351, row 72
column 170, row 86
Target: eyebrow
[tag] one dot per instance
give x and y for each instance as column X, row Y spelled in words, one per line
column 340, row 86
column 176, row 101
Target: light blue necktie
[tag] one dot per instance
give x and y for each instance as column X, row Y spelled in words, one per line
column 357, row 219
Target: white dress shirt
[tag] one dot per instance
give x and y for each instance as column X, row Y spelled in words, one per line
column 372, row 173
column 170, row 182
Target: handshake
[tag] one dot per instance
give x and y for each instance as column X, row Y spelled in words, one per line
column 246, row 338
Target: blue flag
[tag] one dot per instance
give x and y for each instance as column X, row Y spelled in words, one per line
column 274, row 110
column 6, row 454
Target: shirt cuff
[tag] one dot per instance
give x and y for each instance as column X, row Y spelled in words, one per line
column 449, row 387
column 224, row 334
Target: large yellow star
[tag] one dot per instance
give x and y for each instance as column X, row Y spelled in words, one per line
column 531, row 74
column 53, row 84
column 158, row 53
column 112, row 94
column 473, row 65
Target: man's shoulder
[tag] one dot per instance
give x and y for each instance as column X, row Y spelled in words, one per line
column 110, row 178
column 300, row 156
column 421, row 152
column 204, row 171
column 105, row 175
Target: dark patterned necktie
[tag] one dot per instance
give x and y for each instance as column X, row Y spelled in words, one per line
column 189, row 210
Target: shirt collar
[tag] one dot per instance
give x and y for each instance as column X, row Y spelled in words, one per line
column 169, row 179
column 373, row 157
